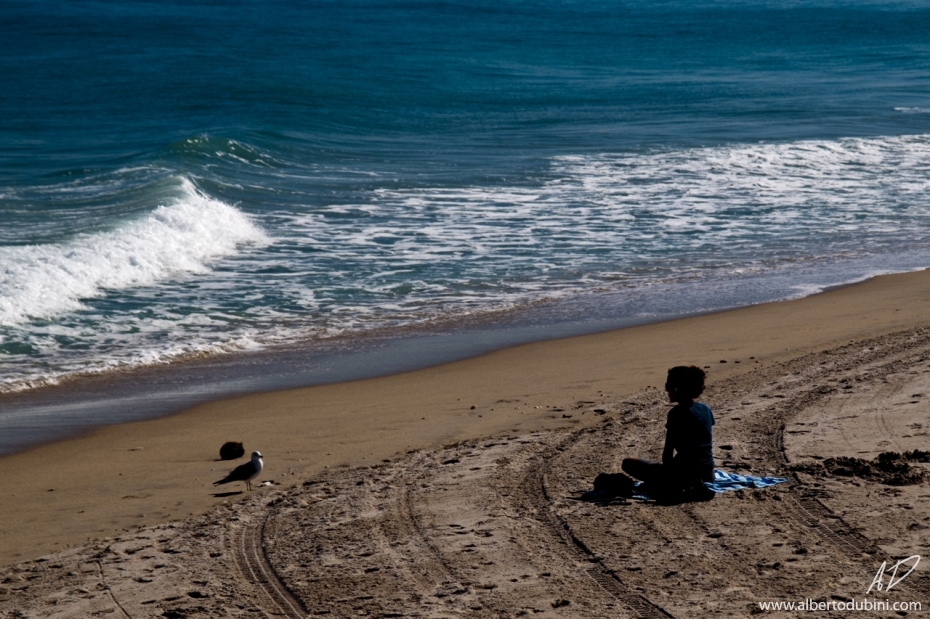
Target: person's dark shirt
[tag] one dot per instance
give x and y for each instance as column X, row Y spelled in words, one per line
column 690, row 435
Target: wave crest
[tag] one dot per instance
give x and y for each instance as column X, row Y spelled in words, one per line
column 42, row 281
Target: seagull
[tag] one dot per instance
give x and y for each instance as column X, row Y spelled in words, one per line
column 245, row 472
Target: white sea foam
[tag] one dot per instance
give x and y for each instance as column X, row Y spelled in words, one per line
column 747, row 222
column 178, row 238
column 913, row 110
column 606, row 221
column 605, row 213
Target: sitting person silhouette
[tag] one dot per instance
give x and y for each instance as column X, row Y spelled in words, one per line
column 687, row 459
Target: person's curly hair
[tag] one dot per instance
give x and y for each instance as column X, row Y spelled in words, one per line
column 688, row 379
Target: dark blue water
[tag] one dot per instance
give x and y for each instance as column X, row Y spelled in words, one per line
column 189, row 180
column 90, row 83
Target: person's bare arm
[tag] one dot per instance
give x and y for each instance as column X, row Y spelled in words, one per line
column 668, row 452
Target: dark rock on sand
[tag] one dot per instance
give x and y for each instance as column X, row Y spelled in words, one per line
column 231, row 451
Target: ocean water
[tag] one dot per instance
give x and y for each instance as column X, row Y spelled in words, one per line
column 202, row 180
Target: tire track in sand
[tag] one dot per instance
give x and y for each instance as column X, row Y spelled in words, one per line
column 605, row 577
column 484, row 524
column 805, row 507
column 800, row 386
column 252, row 563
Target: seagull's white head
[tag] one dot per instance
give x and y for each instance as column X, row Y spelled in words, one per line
column 256, row 455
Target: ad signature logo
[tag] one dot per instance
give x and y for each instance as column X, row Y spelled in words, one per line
column 878, row 582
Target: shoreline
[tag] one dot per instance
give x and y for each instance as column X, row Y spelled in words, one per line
column 116, row 478
column 83, row 402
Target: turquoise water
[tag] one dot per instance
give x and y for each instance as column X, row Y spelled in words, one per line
column 190, row 180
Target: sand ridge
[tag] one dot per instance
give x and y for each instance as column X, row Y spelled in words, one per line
column 493, row 527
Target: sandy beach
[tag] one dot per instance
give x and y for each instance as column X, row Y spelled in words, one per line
column 451, row 491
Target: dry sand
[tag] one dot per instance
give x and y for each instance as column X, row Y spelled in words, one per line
column 432, row 508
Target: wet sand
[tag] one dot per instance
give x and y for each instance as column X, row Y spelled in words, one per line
column 449, row 491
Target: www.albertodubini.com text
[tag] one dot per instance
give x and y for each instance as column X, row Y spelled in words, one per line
column 865, row 604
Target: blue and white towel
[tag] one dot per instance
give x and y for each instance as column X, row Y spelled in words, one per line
column 723, row 482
